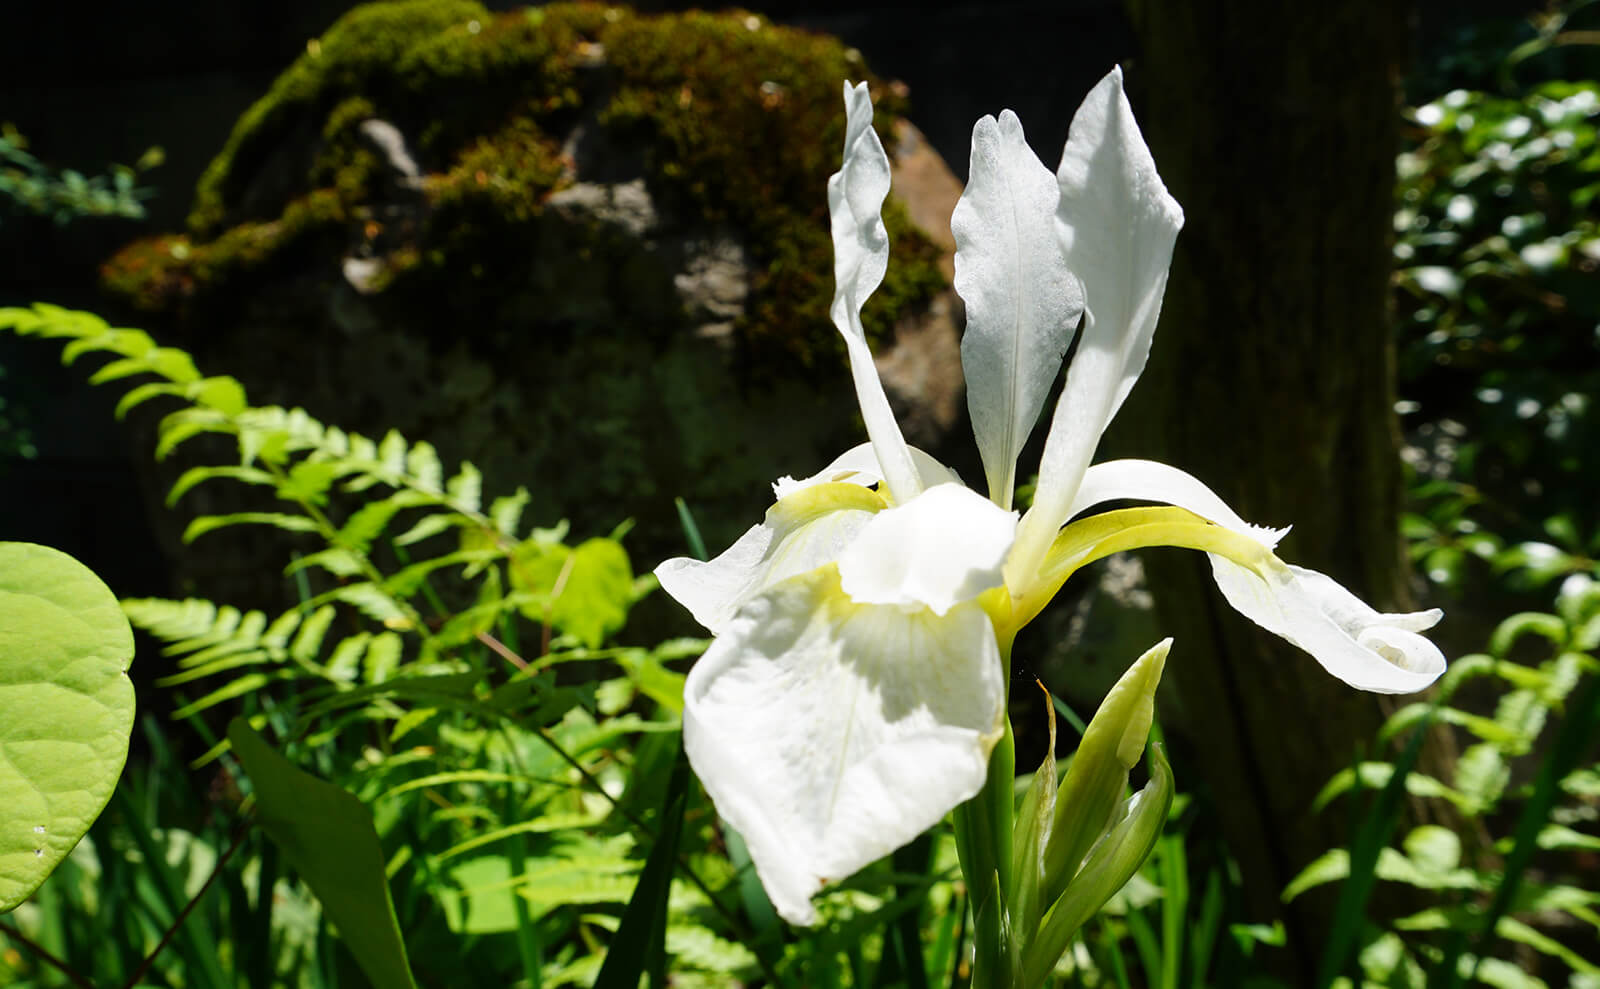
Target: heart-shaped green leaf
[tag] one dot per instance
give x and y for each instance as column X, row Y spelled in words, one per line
column 66, row 709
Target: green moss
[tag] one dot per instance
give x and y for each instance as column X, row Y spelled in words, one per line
column 164, row 273
column 359, row 48
column 510, row 172
column 740, row 122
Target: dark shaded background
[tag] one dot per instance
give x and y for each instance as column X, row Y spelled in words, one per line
column 95, row 83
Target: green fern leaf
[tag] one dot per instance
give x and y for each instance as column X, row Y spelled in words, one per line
column 372, row 601
column 278, row 520
column 237, row 687
column 198, row 475
column 308, row 641
column 430, row 525
column 240, row 658
column 383, row 657
column 422, row 464
column 392, row 454
column 344, row 665
column 506, row 511
column 338, row 561
column 144, row 393
column 465, row 490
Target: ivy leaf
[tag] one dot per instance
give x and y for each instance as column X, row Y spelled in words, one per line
column 66, row 709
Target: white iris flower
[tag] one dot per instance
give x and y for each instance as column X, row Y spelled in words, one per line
column 857, row 681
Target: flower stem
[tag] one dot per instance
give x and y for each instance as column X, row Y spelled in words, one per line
column 983, row 841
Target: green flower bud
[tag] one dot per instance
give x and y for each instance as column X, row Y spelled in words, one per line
column 1111, row 863
column 1098, row 775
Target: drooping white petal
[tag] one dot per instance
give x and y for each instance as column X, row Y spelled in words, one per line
column 945, row 546
column 859, row 465
column 800, row 533
column 1022, row 305
column 860, row 257
column 1148, row 480
column 830, row 733
column 1117, row 225
column 1366, row 649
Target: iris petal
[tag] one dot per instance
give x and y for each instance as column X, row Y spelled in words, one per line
column 829, row 733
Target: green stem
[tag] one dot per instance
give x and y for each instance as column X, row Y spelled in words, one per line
column 983, row 828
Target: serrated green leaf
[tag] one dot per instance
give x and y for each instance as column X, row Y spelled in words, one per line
column 1521, row 715
column 699, row 948
column 327, row 835
column 383, row 657
column 371, row 601
column 1395, row 867
column 1376, row 775
column 345, row 663
column 445, row 690
column 308, row 641
column 1501, row 974
column 506, row 511
column 405, row 582
column 308, row 481
column 1482, row 775
column 422, row 463
column 172, row 364
column 176, row 430
column 136, row 397
column 224, row 394
column 584, row 592
column 1548, row 627
column 244, row 656
column 197, row 475
column 336, row 560
column 237, row 687
column 428, row 525
column 465, row 490
column 1520, row 933
column 539, row 825
column 392, row 453
column 66, row 709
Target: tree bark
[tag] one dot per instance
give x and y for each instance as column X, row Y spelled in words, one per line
column 1272, row 379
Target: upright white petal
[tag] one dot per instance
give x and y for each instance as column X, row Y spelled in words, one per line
column 1364, row 648
column 945, row 546
column 830, row 733
column 1117, row 225
column 1022, row 305
column 860, row 257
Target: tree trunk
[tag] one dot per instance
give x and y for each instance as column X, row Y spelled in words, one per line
column 1272, row 379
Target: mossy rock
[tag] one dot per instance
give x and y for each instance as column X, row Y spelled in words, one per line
column 567, row 242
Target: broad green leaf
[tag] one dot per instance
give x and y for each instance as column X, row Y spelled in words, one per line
column 639, row 946
column 66, row 709
column 485, row 902
column 583, row 591
column 326, row 834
